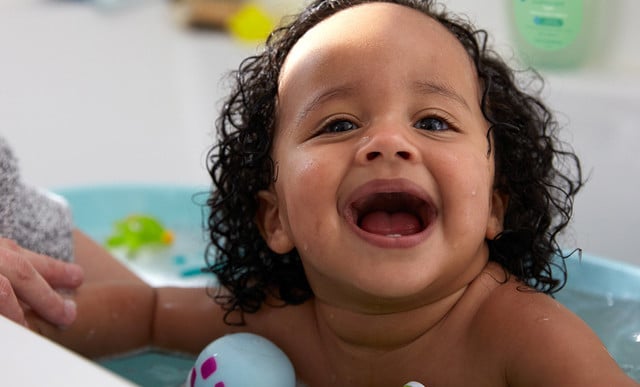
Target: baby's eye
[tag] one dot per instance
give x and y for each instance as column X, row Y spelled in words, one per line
column 434, row 124
column 339, row 126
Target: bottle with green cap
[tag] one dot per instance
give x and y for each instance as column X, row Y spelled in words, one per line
column 556, row 33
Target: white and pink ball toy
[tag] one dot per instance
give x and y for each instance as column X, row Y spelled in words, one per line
column 242, row 360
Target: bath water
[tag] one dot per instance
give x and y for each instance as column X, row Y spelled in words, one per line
column 615, row 320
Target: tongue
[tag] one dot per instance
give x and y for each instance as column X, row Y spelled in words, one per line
column 385, row 223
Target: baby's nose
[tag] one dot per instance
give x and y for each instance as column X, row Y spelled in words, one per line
column 387, row 143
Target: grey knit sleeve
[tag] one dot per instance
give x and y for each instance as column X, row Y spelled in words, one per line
column 36, row 219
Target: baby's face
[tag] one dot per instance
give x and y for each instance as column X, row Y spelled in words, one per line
column 384, row 178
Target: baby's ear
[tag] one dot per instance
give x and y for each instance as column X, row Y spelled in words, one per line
column 499, row 203
column 270, row 223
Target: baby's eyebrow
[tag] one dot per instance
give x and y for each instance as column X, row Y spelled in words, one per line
column 431, row 87
column 323, row 96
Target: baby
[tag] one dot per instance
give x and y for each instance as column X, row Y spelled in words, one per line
column 407, row 193
column 386, row 207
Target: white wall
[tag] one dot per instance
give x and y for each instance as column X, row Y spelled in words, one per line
column 88, row 97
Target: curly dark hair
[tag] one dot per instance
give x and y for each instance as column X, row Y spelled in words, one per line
column 539, row 176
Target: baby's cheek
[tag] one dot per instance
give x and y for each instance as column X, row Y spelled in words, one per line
column 471, row 192
column 306, row 168
column 308, row 173
column 311, row 188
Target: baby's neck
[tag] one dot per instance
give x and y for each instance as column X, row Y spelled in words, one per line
column 362, row 347
column 367, row 332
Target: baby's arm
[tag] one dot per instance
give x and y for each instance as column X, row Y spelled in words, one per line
column 110, row 297
column 118, row 312
column 118, row 316
column 98, row 264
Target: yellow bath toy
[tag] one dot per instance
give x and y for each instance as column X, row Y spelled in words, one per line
column 251, row 23
column 137, row 231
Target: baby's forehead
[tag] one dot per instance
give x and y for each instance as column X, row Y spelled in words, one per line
column 385, row 28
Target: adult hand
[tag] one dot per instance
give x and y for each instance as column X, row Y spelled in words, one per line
column 28, row 281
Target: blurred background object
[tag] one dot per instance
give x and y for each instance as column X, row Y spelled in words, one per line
column 248, row 20
column 560, row 33
column 207, row 13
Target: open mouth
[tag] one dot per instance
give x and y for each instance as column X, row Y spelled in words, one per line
column 392, row 214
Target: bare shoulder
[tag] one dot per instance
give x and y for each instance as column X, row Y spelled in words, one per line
column 539, row 341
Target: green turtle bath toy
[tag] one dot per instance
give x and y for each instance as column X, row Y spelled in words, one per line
column 136, row 231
